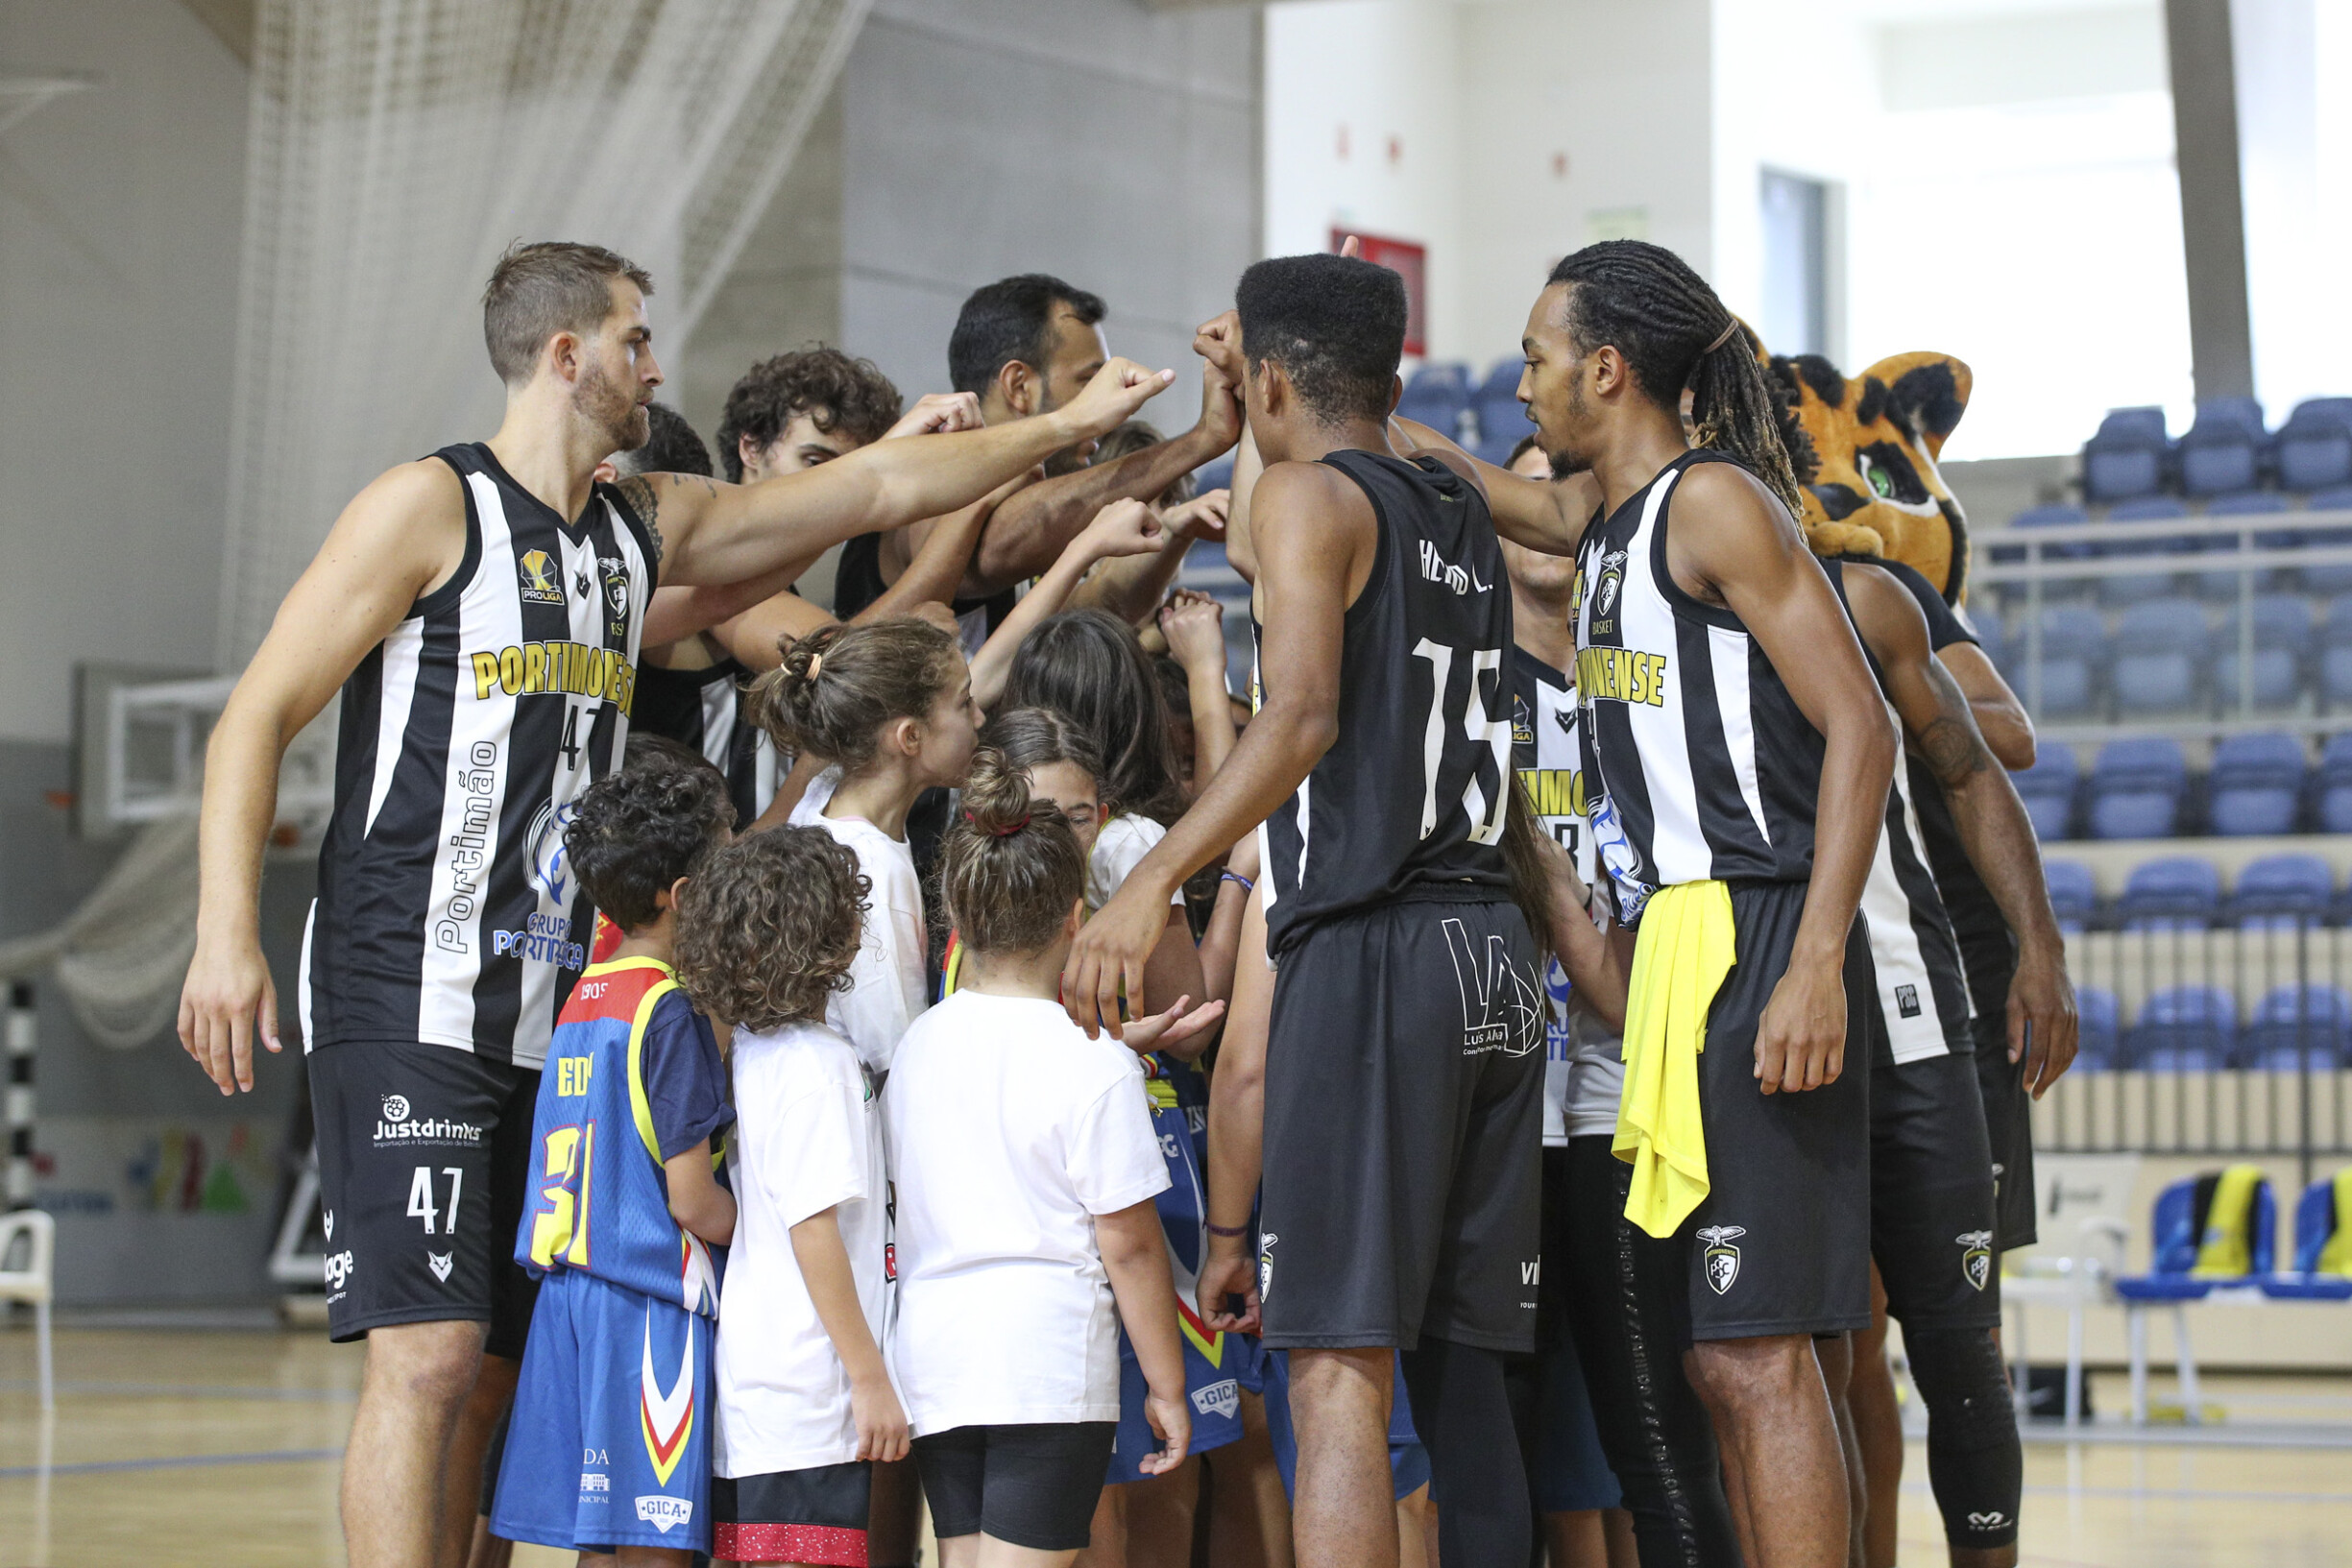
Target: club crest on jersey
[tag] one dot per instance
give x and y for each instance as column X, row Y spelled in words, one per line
column 1500, row 1006
column 665, row 1419
column 551, row 866
column 1721, row 1256
column 1607, row 587
column 1976, row 1256
column 541, row 578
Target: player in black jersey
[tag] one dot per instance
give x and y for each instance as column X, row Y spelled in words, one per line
column 483, row 610
column 1937, row 1231
column 1022, row 346
column 1933, row 1224
column 1403, row 1090
column 1734, row 736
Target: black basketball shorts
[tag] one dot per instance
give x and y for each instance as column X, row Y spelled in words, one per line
column 2008, row 1125
column 1780, row 1244
column 1932, row 1211
column 1405, row 1105
column 423, row 1161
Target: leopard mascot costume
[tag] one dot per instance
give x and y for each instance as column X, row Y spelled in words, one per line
column 1865, row 449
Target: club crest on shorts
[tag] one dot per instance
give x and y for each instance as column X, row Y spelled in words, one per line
column 1976, row 1256
column 1722, row 1257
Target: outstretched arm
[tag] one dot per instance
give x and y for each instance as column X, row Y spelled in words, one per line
column 1733, row 543
column 400, row 536
column 1315, row 539
column 1029, row 532
column 1123, row 528
column 1548, row 514
column 1993, row 828
column 714, row 533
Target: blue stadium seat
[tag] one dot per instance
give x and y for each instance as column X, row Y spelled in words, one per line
column 2219, row 583
column 2098, row 1040
column 2177, row 893
column 2335, row 651
column 2128, row 457
column 2282, row 890
column 2314, row 447
column 1502, row 419
column 2225, row 450
column 2135, row 788
column 2329, row 580
column 2317, row 1276
column 2048, row 789
column 2294, row 1026
column 1215, row 474
column 2183, row 1225
column 2074, row 893
column 2058, row 515
column 2283, row 643
column 1992, row 636
column 2161, row 653
column 2332, row 786
column 2183, row 1028
column 1437, row 396
column 2144, row 578
column 2074, row 654
column 2257, row 785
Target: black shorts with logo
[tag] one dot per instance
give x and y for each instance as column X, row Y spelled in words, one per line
column 1404, row 1130
column 2008, row 1125
column 1780, row 1244
column 1931, row 1211
column 423, row 1161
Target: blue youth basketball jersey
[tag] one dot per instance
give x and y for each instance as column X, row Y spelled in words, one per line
column 600, row 1202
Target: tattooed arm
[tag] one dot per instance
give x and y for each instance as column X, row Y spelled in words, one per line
column 713, row 532
column 1940, row 727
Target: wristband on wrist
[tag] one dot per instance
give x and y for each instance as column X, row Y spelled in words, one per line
column 1236, row 877
column 1227, row 1231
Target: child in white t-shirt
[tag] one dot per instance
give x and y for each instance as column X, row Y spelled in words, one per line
column 1026, row 1165
column 804, row 1401
column 889, row 705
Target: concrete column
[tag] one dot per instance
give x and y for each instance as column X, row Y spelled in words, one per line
column 2212, row 200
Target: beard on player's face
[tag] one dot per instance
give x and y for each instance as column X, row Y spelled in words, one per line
column 613, row 407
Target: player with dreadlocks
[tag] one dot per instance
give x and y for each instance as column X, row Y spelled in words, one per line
column 1737, row 757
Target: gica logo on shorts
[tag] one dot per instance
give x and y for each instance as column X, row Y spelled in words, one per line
column 401, row 1124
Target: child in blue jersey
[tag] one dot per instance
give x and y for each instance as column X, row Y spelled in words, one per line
column 805, row 1407
column 608, row 1448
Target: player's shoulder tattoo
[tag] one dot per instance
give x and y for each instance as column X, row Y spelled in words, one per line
column 644, row 500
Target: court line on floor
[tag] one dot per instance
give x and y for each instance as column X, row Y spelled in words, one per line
column 2200, row 1494
column 181, row 1390
column 179, row 1462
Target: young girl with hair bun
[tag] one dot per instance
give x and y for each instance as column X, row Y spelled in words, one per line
column 1026, row 1169
column 890, row 706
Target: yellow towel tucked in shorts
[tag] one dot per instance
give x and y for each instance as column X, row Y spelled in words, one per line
column 1684, row 948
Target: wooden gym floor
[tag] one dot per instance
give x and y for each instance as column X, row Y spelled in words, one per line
column 214, row 1445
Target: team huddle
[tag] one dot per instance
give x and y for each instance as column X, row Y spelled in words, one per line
column 1478, row 1097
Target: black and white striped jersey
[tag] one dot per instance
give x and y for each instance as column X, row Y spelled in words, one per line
column 704, row 709
column 1699, row 765
column 1923, row 993
column 447, row 911
column 1409, row 801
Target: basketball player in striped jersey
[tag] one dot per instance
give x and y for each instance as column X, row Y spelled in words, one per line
column 1738, row 759
column 483, row 610
column 1933, row 1208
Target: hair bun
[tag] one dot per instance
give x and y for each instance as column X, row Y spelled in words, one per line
column 995, row 797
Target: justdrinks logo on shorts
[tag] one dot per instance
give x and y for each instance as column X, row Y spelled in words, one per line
column 400, row 1124
column 664, row 1512
column 1218, row 1399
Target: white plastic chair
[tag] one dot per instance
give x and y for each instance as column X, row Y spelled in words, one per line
column 2077, row 1281
column 35, row 1282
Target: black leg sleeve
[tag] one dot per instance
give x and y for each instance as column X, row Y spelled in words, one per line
column 1462, row 1414
column 1975, row 1462
column 1624, row 1292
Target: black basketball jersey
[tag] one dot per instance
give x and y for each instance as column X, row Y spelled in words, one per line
column 704, row 709
column 447, row 911
column 1922, row 994
column 1409, row 801
column 1988, row 951
column 856, row 582
column 1698, row 763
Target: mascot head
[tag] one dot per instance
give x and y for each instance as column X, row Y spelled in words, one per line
column 1873, row 489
